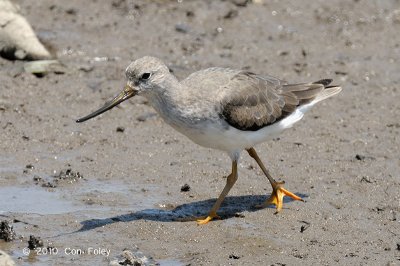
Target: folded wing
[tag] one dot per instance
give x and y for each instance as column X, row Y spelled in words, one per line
column 254, row 102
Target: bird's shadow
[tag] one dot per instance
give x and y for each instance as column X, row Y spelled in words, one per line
column 232, row 206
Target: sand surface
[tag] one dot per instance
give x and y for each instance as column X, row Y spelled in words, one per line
column 342, row 158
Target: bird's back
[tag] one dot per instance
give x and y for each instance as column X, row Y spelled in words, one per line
column 248, row 101
column 217, row 81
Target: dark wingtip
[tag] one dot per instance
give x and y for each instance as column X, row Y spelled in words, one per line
column 324, row 82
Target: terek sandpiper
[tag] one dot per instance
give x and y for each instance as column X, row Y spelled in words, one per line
column 225, row 109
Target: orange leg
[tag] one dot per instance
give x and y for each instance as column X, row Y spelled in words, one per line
column 278, row 192
column 230, row 181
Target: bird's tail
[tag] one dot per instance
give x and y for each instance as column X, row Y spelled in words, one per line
column 299, row 98
column 327, row 92
column 307, row 94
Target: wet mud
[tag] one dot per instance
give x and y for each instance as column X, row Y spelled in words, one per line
column 125, row 186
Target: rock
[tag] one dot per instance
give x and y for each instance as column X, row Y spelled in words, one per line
column 34, row 242
column 120, row 129
column 240, row 3
column 129, row 257
column 17, row 39
column 6, row 232
column 68, row 175
column 233, row 256
column 231, row 14
column 5, row 259
column 360, row 157
column 42, row 67
column 185, row 188
column 183, row 28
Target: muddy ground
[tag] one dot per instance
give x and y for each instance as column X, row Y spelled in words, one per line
column 114, row 182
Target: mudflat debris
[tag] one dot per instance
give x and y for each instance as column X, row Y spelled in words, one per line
column 7, row 232
column 129, row 257
column 63, row 176
column 34, row 242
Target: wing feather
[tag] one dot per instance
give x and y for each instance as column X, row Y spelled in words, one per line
column 253, row 101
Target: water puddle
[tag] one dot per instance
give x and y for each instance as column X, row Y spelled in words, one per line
column 33, row 200
column 39, row 200
column 170, row 262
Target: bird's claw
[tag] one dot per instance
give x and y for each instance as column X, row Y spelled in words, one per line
column 277, row 195
column 205, row 220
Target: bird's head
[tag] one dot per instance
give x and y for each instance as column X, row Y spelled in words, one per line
column 144, row 76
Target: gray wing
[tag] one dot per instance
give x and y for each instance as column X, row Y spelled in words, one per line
column 253, row 102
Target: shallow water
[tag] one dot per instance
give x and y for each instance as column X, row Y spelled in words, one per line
column 170, row 262
column 40, row 200
column 33, row 200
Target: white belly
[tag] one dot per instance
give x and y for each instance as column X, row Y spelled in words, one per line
column 230, row 139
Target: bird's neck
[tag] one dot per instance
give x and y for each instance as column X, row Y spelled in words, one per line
column 166, row 97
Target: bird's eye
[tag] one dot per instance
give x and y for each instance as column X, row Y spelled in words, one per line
column 145, row 76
